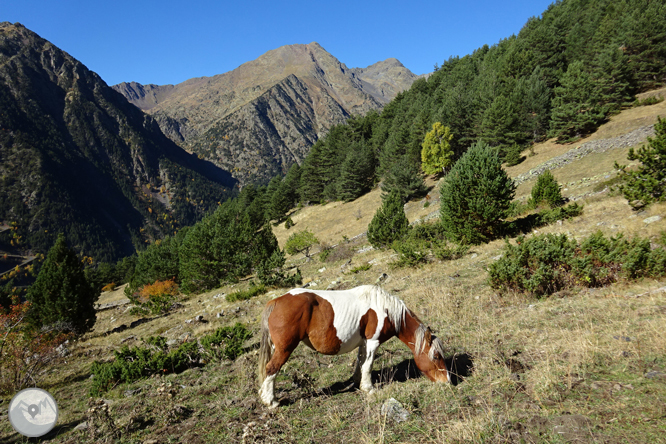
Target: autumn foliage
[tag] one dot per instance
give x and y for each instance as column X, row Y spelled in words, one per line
column 157, row 297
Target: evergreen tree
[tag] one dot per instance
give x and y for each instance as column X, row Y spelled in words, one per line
column 389, row 223
column 576, row 109
column 357, row 172
column 500, row 126
column 612, row 78
column 62, row 294
column 158, row 262
column 647, row 184
column 533, row 97
column 546, row 190
column 405, row 179
column 436, row 150
column 475, row 196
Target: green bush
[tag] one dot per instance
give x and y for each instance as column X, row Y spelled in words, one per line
column 301, row 242
column 422, row 241
column 288, row 223
column 226, row 342
column 132, row 364
column 648, row 101
column 547, row 263
column 243, row 295
column 271, row 274
column 546, row 190
column 364, row 267
column 514, row 155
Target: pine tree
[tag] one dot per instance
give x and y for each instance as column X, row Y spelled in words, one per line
column 405, row 179
column 546, row 190
column 500, row 126
column 62, row 294
column 612, row 78
column 576, row 109
column 647, row 184
column 436, row 153
column 389, row 223
column 475, row 196
column 357, row 172
column 533, row 97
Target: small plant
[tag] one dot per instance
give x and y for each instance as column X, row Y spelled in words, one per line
column 364, row 267
column 242, row 295
column 648, row 101
column 109, row 287
column 288, row 223
column 514, row 155
column 226, row 342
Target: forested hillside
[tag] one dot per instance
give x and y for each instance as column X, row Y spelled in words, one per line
column 564, row 74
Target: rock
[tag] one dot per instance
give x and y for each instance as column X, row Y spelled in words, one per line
column 62, row 349
column 171, row 342
column 655, row 375
column 322, row 269
column 129, row 393
column 393, row 410
column 151, row 441
column 474, row 256
column 185, row 336
column 127, row 339
column 652, row 219
column 382, row 277
column 622, row 338
column 220, row 314
column 199, row 318
column 82, row 426
column 572, row 427
column 498, row 257
column 219, row 295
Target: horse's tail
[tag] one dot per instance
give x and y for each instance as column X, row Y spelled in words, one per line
column 266, row 344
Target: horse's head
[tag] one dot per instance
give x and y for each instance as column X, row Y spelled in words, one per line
column 429, row 355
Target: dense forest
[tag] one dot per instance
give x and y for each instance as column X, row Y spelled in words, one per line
column 563, row 75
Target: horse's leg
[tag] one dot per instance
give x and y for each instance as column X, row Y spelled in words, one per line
column 371, row 346
column 360, row 359
column 280, row 356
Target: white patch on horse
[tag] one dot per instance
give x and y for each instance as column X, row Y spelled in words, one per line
column 349, row 306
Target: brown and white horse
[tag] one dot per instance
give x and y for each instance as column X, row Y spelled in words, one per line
column 336, row 322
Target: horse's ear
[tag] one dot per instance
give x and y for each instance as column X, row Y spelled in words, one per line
column 428, row 335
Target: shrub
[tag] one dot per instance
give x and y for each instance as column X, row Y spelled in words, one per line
column 109, row 287
column 158, row 298
column 132, row 364
column 288, row 223
column 389, row 223
column 546, row 190
column 514, row 155
column 544, row 264
column 242, row 295
column 301, row 242
column 648, row 101
column 226, row 342
column 24, row 352
column 475, row 196
column 364, row 267
column 424, row 240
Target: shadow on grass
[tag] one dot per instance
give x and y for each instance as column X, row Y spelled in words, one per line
column 58, row 430
column 460, row 366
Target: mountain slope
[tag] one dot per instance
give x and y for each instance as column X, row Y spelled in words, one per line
column 189, row 111
column 76, row 157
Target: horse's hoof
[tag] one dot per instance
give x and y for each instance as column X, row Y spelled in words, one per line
column 273, row 405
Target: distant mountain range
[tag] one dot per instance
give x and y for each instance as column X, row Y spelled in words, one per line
column 263, row 116
column 77, row 157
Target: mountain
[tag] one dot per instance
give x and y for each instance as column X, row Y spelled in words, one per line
column 77, row 157
column 263, row 116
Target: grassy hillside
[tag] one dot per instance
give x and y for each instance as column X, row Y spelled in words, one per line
column 584, row 365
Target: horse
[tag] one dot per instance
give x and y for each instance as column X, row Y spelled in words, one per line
column 337, row 322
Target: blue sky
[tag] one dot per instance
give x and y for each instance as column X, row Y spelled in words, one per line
column 171, row 41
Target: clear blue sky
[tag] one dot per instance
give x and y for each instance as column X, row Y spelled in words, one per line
column 170, row 41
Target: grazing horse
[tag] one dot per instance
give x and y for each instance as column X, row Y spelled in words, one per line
column 336, row 322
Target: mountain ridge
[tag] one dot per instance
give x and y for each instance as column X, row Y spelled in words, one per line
column 188, row 111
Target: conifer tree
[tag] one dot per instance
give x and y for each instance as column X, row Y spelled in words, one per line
column 500, row 126
column 576, row 109
column 647, row 184
column 611, row 77
column 389, row 223
column 475, row 196
column 357, row 172
column 546, row 190
column 405, row 179
column 436, row 153
column 62, row 295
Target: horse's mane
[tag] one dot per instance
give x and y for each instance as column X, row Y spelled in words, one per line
column 393, row 306
column 420, row 341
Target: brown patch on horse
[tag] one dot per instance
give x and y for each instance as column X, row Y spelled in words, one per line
column 303, row 317
column 369, row 323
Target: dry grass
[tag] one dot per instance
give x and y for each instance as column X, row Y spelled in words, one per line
column 568, row 368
